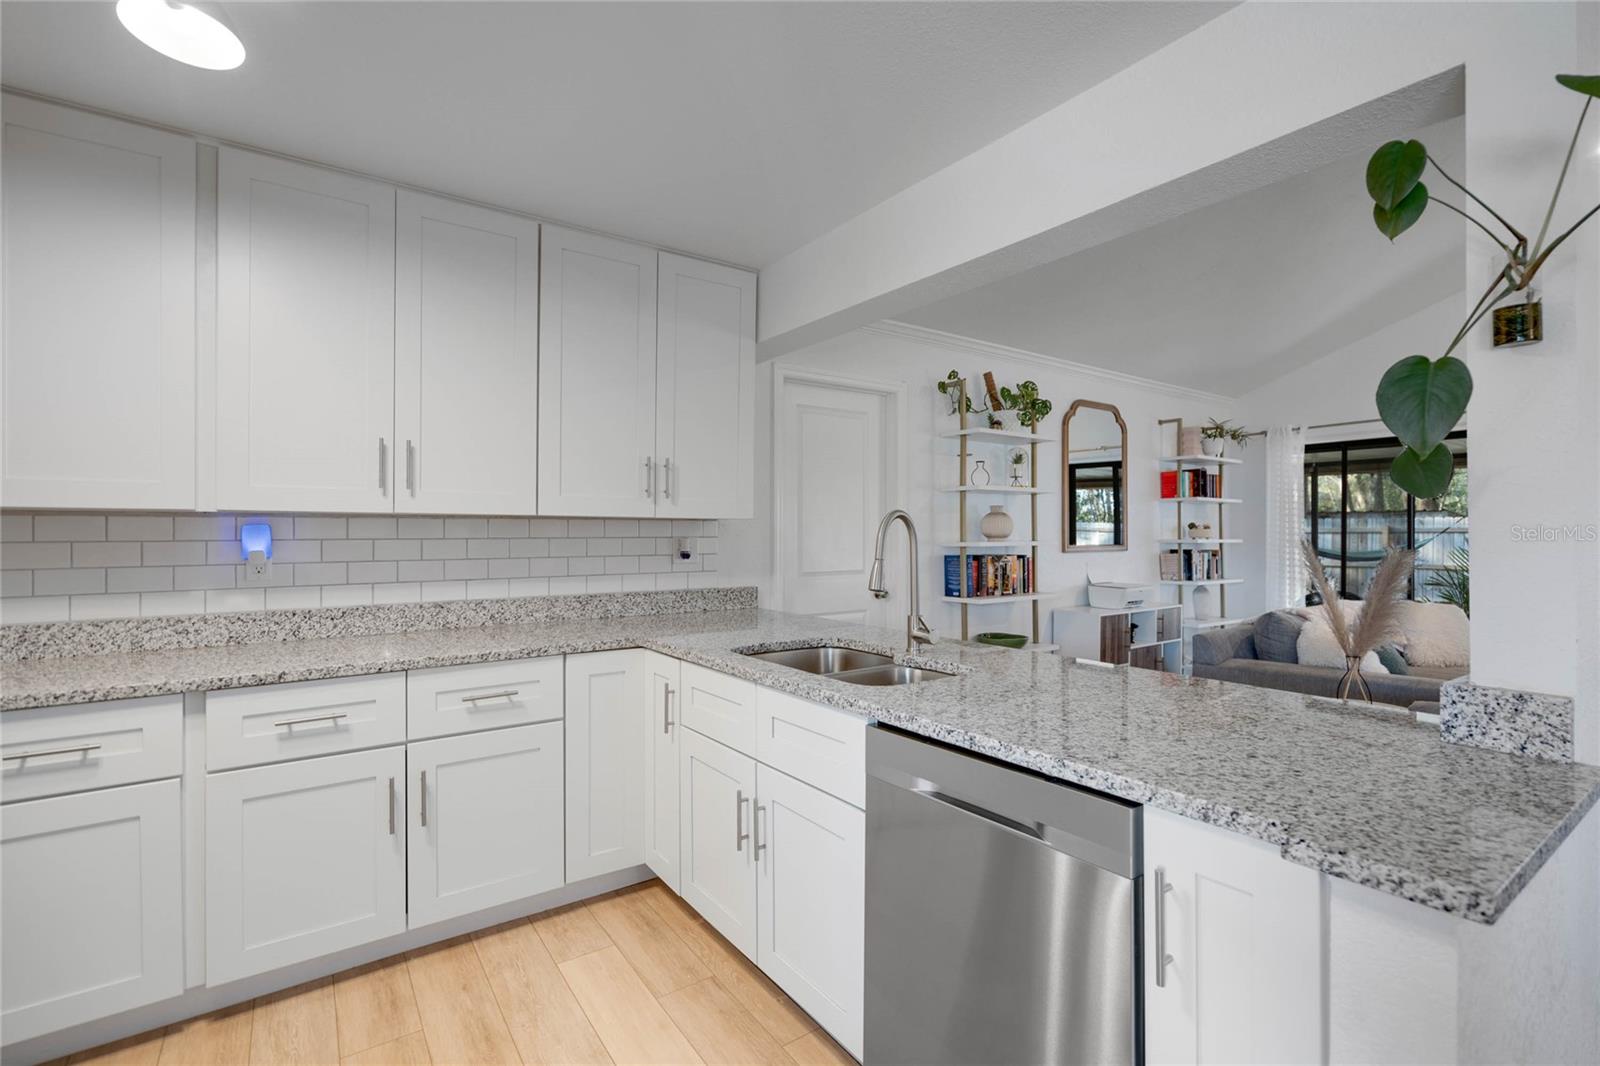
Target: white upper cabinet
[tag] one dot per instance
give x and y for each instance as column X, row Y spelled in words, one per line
column 305, row 337
column 466, row 358
column 99, row 336
column 597, row 376
column 705, row 389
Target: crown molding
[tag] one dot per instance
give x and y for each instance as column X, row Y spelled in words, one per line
column 955, row 342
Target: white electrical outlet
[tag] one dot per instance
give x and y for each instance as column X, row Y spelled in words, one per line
column 257, row 569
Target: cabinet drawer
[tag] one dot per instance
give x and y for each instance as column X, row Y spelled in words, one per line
column 720, row 707
column 463, row 699
column 51, row 750
column 819, row 745
column 250, row 726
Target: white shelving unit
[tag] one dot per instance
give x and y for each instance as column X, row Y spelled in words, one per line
column 1003, row 441
column 1215, row 509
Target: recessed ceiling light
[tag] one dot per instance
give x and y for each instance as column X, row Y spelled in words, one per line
column 182, row 32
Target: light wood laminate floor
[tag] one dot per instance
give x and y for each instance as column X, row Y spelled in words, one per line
column 633, row 976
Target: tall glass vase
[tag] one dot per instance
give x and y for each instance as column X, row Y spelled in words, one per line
column 1352, row 683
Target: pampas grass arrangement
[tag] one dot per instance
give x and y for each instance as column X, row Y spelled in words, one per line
column 1379, row 619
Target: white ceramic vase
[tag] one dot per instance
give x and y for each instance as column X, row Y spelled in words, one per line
column 1205, row 603
column 996, row 525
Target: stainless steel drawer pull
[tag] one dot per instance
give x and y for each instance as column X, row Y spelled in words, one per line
column 424, row 793
column 1162, row 958
column 289, row 722
column 77, row 749
column 739, row 835
column 505, row 694
column 760, row 847
column 391, row 806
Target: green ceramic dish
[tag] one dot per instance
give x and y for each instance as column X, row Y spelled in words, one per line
column 1005, row 640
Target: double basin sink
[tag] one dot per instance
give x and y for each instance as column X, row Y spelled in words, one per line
column 849, row 665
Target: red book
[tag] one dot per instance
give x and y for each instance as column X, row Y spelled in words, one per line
column 1169, row 484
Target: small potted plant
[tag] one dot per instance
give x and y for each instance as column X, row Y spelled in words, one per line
column 1018, row 458
column 1215, row 435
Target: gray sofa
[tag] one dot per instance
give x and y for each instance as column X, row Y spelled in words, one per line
column 1228, row 653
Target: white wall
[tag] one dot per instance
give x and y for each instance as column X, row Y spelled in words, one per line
column 1337, row 387
column 919, row 359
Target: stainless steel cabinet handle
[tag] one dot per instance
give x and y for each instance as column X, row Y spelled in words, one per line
column 649, row 477
column 666, row 707
column 666, row 479
column 391, row 806
column 383, row 466
column 502, row 695
column 1162, row 958
column 739, row 835
column 424, row 792
column 77, row 749
column 411, row 468
column 334, row 717
column 760, row 847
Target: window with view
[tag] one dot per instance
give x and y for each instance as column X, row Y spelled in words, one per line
column 1355, row 513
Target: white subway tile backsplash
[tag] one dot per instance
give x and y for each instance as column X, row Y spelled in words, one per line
column 69, row 527
column 68, row 582
column 139, row 527
column 61, row 566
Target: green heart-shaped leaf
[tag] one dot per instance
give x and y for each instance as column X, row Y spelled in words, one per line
column 1421, row 400
column 1425, row 477
column 1588, row 84
column 1394, row 170
column 1404, row 215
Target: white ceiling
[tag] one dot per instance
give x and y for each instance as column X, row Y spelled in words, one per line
column 1229, row 296
column 739, row 131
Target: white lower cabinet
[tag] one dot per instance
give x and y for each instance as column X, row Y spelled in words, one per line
column 717, row 793
column 91, row 906
column 662, row 732
column 1243, row 930
column 605, row 763
column 811, row 855
column 302, row 859
column 485, row 823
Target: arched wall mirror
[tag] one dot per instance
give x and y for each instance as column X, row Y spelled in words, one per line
column 1094, row 478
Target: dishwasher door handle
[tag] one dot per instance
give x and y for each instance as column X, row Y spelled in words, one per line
column 1032, row 832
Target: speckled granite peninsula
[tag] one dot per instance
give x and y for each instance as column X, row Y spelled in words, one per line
column 1358, row 792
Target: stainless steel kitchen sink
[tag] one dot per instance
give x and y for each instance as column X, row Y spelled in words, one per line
column 890, row 675
column 823, row 660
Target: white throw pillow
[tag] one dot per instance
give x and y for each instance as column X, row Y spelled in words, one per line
column 1434, row 634
column 1318, row 646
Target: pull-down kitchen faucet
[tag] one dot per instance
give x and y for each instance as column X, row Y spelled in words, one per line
column 917, row 631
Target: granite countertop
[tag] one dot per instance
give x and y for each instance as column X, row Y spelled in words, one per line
column 1362, row 793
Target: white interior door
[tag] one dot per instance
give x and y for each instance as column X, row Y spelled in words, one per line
column 303, row 859
column 486, row 820
column 466, row 358
column 305, row 337
column 99, row 350
column 834, row 466
column 705, row 389
column 597, row 376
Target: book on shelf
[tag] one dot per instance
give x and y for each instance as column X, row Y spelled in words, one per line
column 1182, row 484
column 1192, row 564
column 989, row 575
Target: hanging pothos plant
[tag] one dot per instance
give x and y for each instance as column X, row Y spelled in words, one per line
column 1421, row 399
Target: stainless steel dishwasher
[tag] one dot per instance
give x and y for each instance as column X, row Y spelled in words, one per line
column 1002, row 920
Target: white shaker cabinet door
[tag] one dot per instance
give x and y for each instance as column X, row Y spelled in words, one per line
column 1243, row 930
column 303, row 859
column 99, row 335
column 605, row 763
column 485, row 823
column 663, row 732
column 718, row 794
column 305, row 337
column 597, row 377
column 466, row 358
column 91, row 893
column 812, row 859
column 705, row 389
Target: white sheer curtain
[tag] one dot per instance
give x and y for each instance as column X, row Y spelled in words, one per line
column 1286, row 510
